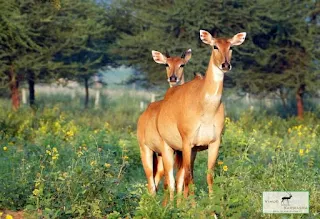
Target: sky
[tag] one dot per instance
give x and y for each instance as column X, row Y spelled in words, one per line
column 116, row 75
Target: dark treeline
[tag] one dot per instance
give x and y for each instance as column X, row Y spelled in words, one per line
column 280, row 54
column 41, row 41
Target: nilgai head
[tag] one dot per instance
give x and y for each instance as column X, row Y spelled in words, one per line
column 222, row 48
column 174, row 65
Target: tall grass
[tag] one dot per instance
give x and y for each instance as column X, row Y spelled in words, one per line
column 125, row 105
column 60, row 160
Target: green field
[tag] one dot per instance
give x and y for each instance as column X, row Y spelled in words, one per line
column 61, row 161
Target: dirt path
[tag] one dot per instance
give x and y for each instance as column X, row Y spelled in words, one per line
column 14, row 214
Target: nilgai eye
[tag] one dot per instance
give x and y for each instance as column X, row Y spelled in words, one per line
column 215, row 47
column 181, row 66
column 167, row 65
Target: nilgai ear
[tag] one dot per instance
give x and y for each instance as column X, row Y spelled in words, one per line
column 206, row 37
column 158, row 57
column 238, row 39
column 167, row 54
column 186, row 55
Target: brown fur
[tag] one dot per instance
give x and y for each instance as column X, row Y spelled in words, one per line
column 147, row 133
column 192, row 114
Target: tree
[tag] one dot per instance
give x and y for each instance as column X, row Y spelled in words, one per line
column 90, row 52
column 281, row 52
column 14, row 37
column 284, row 51
column 36, row 65
column 76, row 38
column 174, row 26
column 41, row 42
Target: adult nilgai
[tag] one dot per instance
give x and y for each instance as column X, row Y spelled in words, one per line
column 148, row 136
column 192, row 114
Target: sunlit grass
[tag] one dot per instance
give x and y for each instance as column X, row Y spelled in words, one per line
column 61, row 162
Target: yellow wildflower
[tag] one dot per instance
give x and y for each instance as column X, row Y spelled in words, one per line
column 57, row 126
column 79, row 153
column 5, row 148
column 96, row 131
column 301, row 152
column 220, row 162
column 55, row 157
column 311, row 163
column 107, row 165
column 1, row 213
column 93, row 163
column 227, row 120
column 36, row 192
column 37, row 184
column 48, row 152
column 125, row 157
column 107, row 127
column 307, row 150
column 70, row 133
column 225, row 168
column 54, row 150
column 8, row 216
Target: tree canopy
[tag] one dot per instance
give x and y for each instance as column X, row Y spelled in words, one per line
column 41, row 40
column 46, row 40
column 281, row 50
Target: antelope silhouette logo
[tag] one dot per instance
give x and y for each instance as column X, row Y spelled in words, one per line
column 286, row 198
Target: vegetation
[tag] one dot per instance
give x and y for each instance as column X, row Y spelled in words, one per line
column 42, row 41
column 280, row 53
column 61, row 162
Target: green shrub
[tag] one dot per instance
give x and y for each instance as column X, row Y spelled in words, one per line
column 59, row 162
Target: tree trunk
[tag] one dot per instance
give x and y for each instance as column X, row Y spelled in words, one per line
column 31, row 82
column 299, row 98
column 86, row 85
column 283, row 97
column 14, row 88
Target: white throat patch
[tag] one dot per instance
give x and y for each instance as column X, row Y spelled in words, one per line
column 217, row 73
